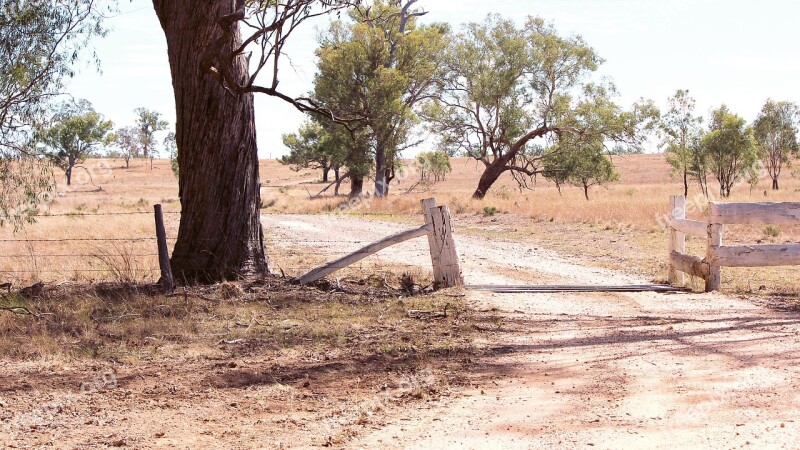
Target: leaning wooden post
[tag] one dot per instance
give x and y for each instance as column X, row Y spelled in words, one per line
column 444, row 257
column 166, row 282
column 677, row 240
column 714, row 280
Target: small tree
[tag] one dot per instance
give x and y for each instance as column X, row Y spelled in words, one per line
column 775, row 132
column 312, row 147
column 148, row 123
column 75, row 133
column 433, row 163
column 730, row 149
column 127, row 141
column 680, row 128
column 581, row 164
column 172, row 150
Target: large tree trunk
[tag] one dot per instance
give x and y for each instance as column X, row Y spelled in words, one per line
column 488, row 178
column 356, row 186
column 68, row 173
column 381, row 172
column 220, row 235
column 775, row 186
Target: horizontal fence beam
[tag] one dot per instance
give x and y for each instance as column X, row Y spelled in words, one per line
column 755, row 255
column 358, row 255
column 783, row 213
column 690, row 227
column 692, row 265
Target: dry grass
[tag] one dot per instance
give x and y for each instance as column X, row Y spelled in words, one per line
column 626, row 216
column 128, row 323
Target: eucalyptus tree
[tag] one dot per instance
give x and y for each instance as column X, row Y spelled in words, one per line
column 374, row 70
column 579, row 163
column 41, row 42
column 776, row 134
column 681, row 129
column 148, row 123
column 220, row 234
column 509, row 93
column 75, row 133
column 730, row 149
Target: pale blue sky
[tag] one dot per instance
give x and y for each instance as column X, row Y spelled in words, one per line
column 739, row 52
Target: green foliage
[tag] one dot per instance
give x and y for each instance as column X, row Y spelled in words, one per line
column 75, row 133
column 775, row 131
column 681, row 130
column 41, row 41
column 317, row 147
column 126, row 141
column 579, row 163
column 171, row 146
column 509, row 92
column 730, row 149
column 772, row 231
column 436, row 164
column 373, row 71
column 489, row 211
column 149, row 123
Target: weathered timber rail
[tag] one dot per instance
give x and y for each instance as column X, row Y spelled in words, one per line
column 718, row 255
column 439, row 229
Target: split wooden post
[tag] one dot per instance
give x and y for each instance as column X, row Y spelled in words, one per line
column 444, row 257
column 714, row 280
column 166, row 281
column 677, row 240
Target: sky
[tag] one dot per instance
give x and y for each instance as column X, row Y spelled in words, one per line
column 737, row 52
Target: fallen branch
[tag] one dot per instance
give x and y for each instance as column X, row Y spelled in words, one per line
column 19, row 310
column 427, row 314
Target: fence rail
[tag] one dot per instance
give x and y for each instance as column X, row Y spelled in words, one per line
column 718, row 255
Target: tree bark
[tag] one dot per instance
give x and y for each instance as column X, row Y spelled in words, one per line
column 220, row 235
column 356, row 186
column 489, row 177
column 775, row 186
column 381, row 172
column 68, row 173
column 685, row 183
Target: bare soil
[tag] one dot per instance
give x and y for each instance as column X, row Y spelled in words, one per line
column 632, row 370
column 639, row 370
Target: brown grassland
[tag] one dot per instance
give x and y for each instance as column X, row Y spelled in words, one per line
column 99, row 307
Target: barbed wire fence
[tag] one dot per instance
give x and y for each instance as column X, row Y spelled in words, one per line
column 75, row 256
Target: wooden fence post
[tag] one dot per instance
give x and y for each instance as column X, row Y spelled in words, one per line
column 714, row 280
column 677, row 240
column 166, row 282
column 444, row 257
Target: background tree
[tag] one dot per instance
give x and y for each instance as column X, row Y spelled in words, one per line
column 41, row 42
column 775, row 131
column 436, row 164
column 312, row 147
column 376, row 69
column 680, row 129
column 149, row 123
column 580, row 164
column 509, row 93
column 75, row 133
column 220, row 234
column 172, row 150
column 127, row 141
column 730, row 149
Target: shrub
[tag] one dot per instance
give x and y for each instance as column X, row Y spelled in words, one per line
column 772, row 231
column 489, row 211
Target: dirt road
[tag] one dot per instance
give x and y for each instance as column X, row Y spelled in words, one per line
column 638, row 370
